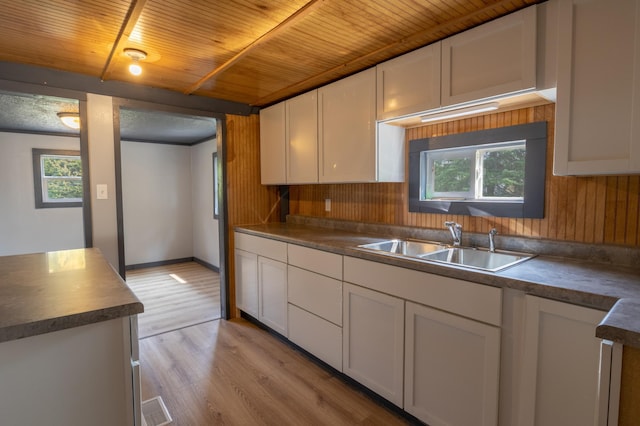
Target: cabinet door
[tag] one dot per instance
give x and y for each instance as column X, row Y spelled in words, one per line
column 302, row 138
column 561, row 363
column 347, row 125
column 598, row 96
column 373, row 337
column 246, row 269
column 272, row 145
column 451, row 368
column 409, row 84
column 490, row 60
column 272, row 287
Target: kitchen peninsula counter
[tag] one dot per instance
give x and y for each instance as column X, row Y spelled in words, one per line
column 46, row 292
column 607, row 287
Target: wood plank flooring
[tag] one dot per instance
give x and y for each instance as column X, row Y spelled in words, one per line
column 234, row 373
column 175, row 296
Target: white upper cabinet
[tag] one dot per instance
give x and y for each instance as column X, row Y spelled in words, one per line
column 409, row 83
column 289, row 141
column 347, row 124
column 493, row 59
column 272, row 145
column 598, row 105
column 301, row 138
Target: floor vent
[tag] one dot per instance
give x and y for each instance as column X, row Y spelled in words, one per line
column 155, row 413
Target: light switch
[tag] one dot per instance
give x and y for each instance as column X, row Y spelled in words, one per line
column 327, row 204
column 101, row 190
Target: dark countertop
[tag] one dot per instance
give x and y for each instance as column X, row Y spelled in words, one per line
column 596, row 285
column 45, row 292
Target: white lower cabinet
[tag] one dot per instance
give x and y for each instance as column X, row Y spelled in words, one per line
column 561, row 382
column 373, row 340
column 321, row 338
column 272, row 285
column 451, row 368
column 247, row 282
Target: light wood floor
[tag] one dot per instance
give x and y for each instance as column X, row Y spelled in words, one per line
column 175, row 296
column 233, row 373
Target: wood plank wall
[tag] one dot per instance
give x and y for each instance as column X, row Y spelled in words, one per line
column 599, row 210
column 248, row 202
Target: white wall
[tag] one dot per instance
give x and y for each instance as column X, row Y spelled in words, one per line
column 205, row 227
column 23, row 228
column 157, row 202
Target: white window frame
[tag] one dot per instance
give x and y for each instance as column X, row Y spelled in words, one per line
column 476, row 153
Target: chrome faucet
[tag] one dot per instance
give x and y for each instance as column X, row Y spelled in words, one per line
column 456, row 232
column 492, row 244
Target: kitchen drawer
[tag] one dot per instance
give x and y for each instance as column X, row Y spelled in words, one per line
column 321, row 338
column 475, row 301
column 322, row 262
column 265, row 247
column 316, row 293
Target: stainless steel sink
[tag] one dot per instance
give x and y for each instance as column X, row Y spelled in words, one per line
column 476, row 258
column 411, row 248
column 441, row 253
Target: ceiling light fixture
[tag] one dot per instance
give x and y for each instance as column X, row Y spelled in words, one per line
column 136, row 56
column 70, row 119
column 460, row 112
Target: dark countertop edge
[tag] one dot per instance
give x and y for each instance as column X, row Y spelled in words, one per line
column 20, row 331
column 611, row 328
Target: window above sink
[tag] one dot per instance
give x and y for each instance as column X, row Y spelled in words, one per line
column 496, row 172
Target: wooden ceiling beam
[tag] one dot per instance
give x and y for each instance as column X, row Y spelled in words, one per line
column 354, row 64
column 129, row 23
column 291, row 20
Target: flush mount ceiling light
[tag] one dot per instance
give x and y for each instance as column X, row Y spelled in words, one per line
column 136, row 56
column 460, row 112
column 70, row 119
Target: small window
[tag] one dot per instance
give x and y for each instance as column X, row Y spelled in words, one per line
column 496, row 172
column 57, row 177
column 485, row 172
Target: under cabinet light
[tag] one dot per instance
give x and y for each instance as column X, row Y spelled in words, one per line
column 460, row 112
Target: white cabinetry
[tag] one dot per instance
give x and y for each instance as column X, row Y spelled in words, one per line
column 598, row 105
column 561, row 382
column 450, row 362
column 373, row 343
column 273, row 165
column 272, row 285
column 493, row 59
column 353, row 147
column 409, row 83
column 246, row 281
column 261, row 279
column 302, row 138
column 315, row 303
column 289, row 141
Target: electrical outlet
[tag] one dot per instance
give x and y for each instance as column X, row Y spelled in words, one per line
column 327, row 204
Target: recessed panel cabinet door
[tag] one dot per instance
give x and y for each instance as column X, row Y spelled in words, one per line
column 409, row 83
column 246, row 270
column 373, row 337
column 493, row 59
column 451, row 368
column 561, row 364
column 347, row 124
column 272, row 279
column 598, row 97
column 272, row 145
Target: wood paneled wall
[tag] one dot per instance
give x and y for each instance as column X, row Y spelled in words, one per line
column 248, row 202
column 599, row 210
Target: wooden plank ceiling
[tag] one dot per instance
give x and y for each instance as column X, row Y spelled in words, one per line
column 251, row 51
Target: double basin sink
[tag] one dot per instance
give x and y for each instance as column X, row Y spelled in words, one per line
column 475, row 258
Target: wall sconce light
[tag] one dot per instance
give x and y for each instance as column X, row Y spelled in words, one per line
column 70, row 119
column 136, row 56
column 460, row 112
